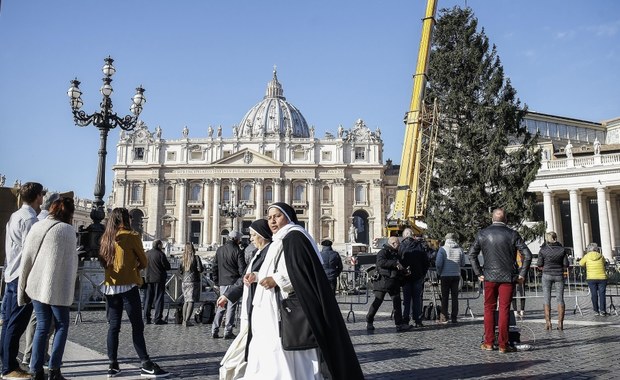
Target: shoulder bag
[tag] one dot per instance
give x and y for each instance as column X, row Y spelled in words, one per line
column 295, row 331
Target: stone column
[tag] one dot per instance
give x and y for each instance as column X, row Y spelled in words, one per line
column 181, row 237
column 234, row 201
column 277, row 189
column 548, row 209
column 557, row 216
column 215, row 227
column 287, row 191
column 584, row 209
column 259, row 198
column 207, row 211
column 122, row 192
column 603, row 220
column 378, row 213
column 312, row 208
column 153, row 205
column 341, row 221
column 612, row 203
column 575, row 222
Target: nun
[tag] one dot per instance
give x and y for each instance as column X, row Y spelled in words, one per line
column 233, row 364
column 293, row 265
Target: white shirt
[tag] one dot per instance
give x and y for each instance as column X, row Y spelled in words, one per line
column 16, row 231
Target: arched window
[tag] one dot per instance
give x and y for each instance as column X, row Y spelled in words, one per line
column 268, row 194
column 298, row 194
column 194, row 193
column 226, row 194
column 326, row 194
column 169, row 194
column 360, row 194
column 246, row 192
column 136, row 192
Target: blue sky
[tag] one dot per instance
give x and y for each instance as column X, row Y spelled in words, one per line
column 208, row 62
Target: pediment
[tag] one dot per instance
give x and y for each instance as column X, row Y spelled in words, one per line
column 247, row 157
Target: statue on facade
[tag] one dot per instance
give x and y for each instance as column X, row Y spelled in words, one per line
column 210, row 131
column 234, row 128
column 312, row 132
column 340, row 131
column 2, row 180
column 158, row 132
column 352, row 234
column 185, row 132
column 597, row 146
column 219, row 131
column 568, row 149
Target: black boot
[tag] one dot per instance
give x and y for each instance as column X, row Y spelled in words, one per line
column 39, row 375
column 56, row 375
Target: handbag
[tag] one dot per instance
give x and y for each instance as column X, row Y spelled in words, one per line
column 22, row 284
column 295, row 331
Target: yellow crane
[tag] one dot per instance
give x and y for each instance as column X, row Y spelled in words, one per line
column 416, row 164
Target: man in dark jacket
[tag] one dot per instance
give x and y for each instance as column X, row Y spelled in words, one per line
column 390, row 269
column 155, row 276
column 499, row 245
column 414, row 256
column 332, row 263
column 228, row 266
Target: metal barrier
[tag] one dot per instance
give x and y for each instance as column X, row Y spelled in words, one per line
column 353, row 289
column 469, row 288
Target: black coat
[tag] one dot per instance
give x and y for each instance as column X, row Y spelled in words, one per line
column 157, row 266
column 499, row 245
column 319, row 305
column 387, row 267
column 229, row 264
column 552, row 258
column 414, row 255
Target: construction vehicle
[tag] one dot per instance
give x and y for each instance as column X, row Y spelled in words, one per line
column 416, row 167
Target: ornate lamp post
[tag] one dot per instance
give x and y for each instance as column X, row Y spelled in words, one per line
column 233, row 210
column 104, row 120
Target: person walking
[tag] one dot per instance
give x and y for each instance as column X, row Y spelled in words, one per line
column 191, row 267
column 332, row 263
column 293, row 269
column 16, row 317
column 499, row 245
column 392, row 273
column 48, row 273
column 228, row 267
column 553, row 261
column 594, row 262
column 155, row 277
column 234, row 361
column 122, row 255
column 414, row 256
column 450, row 259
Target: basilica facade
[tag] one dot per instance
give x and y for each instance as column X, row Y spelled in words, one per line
column 198, row 189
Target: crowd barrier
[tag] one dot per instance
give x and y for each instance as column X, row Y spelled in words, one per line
column 353, row 288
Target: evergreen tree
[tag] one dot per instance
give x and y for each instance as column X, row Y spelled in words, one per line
column 485, row 158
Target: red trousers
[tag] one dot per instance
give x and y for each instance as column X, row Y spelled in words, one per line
column 495, row 292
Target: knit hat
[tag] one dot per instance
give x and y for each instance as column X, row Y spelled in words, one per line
column 287, row 210
column 48, row 199
column 326, row 243
column 261, row 227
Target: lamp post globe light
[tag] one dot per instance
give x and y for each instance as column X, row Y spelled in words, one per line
column 104, row 120
column 233, row 210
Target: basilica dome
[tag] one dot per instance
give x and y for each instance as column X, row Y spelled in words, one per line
column 273, row 115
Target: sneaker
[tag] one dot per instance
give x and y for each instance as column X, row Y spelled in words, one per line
column 160, row 322
column 596, row 313
column 443, row 320
column 370, row 327
column 114, row 370
column 152, row 370
column 229, row 336
column 403, row 327
column 507, row 349
column 215, row 335
column 486, row 347
column 17, row 374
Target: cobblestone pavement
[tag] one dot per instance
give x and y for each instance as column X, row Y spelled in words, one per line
column 589, row 348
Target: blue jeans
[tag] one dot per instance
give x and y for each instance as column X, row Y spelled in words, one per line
column 597, row 293
column 15, row 323
column 130, row 300
column 229, row 310
column 45, row 313
column 412, row 300
column 547, row 283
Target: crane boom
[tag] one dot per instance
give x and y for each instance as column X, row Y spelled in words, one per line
column 418, row 148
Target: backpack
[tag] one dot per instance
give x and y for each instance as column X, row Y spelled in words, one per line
column 205, row 313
